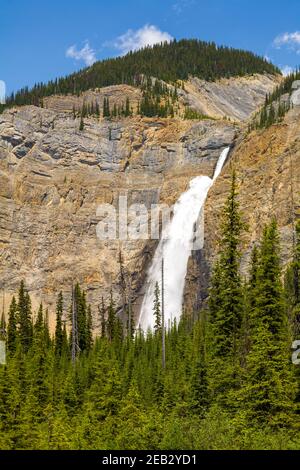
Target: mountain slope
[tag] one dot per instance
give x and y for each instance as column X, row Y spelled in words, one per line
column 170, row 62
column 54, row 176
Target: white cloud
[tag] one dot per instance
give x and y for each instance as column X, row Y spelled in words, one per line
column 286, row 70
column 267, row 58
column 290, row 40
column 180, row 5
column 145, row 36
column 86, row 54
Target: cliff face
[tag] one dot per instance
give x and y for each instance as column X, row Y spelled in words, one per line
column 268, row 169
column 53, row 178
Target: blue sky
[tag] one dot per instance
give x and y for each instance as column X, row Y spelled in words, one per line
column 40, row 40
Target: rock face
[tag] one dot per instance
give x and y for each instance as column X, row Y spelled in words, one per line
column 54, row 177
column 268, row 169
column 235, row 98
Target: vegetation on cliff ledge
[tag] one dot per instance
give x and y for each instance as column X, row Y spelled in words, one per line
column 276, row 105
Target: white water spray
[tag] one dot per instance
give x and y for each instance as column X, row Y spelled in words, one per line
column 175, row 248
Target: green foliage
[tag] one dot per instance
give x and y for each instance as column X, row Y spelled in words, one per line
column 229, row 382
column 171, row 62
column 24, row 318
column 226, row 304
column 156, row 309
column 81, row 125
column 275, row 107
column 58, row 339
column 292, row 299
column 12, row 326
column 190, row 113
column 106, row 108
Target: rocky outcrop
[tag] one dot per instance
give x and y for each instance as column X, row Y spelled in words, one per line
column 233, row 98
column 267, row 163
column 54, row 177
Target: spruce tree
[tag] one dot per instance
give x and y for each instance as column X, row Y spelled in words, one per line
column 269, row 388
column 156, row 309
column 24, row 318
column 2, row 326
column 81, row 308
column 127, row 107
column 89, row 329
column 111, row 319
column 292, row 298
column 102, row 312
column 58, row 338
column 12, row 333
column 292, row 286
column 81, row 125
column 226, row 304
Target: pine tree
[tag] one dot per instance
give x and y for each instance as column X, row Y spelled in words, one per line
column 269, row 388
column 81, row 125
column 156, row 308
column 106, row 108
column 127, row 107
column 292, row 298
column 81, row 307
column 89, row 329
column 130, row 321
column 102, row 312
column 24, row 318
column 12, row 333
column 226, row 304
column 2, row 326
column 58, row 339
column 200, row 399
column 47, row 338
column 38, row 327
column 292, row 286
column 111, row 319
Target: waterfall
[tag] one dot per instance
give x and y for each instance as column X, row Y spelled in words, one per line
column 175, row 248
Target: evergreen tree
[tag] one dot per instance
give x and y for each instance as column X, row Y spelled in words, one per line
column 200, row 399
column 2, row 326
column 38, row 328
column 89, row 329
column 156, row 309
column 12, row 333
column 102, row 312
column 269, row 388
column 127, row 108
column 111, row 319
column 292, row 298
column 81, row 125
column 81, row 310
column 292, row 286
column 106, row 108
column 24, row 318
column 226, row 304
column 58, row 339
column 47, row 338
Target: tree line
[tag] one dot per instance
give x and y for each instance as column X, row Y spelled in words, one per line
column 170, row 62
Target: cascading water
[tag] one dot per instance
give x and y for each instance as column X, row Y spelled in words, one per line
column 175, row 248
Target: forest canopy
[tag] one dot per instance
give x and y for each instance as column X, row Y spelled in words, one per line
column 170, row 62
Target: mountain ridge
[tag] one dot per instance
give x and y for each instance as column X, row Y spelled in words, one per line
column 170, row 62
